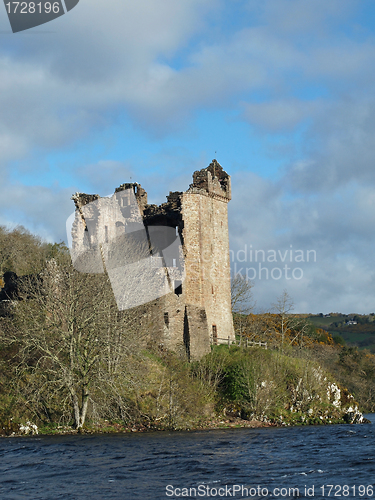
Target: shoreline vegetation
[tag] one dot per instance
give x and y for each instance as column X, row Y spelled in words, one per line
column 70, row 362
column 117, row 428
column 229, row 388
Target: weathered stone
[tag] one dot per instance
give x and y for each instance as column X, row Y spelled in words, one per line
column 194, row 310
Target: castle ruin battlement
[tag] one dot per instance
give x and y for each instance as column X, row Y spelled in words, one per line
column 194, row 310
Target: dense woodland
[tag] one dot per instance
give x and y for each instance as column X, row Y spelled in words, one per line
column 70, row 360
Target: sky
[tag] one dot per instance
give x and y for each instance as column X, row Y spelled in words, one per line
column 280, row 92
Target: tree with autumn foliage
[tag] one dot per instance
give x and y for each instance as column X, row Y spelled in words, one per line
column 281, row 328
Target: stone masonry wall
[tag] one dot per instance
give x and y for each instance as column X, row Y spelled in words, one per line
column 206, row 242
column 190, row 318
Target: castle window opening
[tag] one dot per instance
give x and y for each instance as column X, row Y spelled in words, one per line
column 120, row 228
column 174, row 262
column 178, row 287
column 106, row 234
column 166, row 319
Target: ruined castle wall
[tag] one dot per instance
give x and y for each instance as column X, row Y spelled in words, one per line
column 173, row 323
column 206, row 243
column 186, row 320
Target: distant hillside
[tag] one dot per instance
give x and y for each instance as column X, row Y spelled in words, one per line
column 355, row 329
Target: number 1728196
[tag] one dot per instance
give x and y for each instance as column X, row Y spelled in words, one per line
column 336, row 490
column 32, row 7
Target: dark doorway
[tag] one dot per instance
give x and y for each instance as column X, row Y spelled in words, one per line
column 214, row 334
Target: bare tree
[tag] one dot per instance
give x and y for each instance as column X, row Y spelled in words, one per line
column 71, row 336
column 241, row 294
column 293, row 329
column 283, row 307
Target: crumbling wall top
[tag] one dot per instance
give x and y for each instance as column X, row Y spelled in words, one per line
column 168, row 213
column 82, row 199
column 212, row 180
column 140, row 193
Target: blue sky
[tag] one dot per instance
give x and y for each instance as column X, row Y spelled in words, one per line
column 281, row 90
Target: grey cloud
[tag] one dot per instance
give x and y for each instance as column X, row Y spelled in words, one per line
column 292, row 17
column 336, row 227
column 55, row 88
column 103, row 176
column 280, row 115
column 340, row 148
column 105, row 57
column 99, row 42
column 341, row 67
column 339, row 229
column 41, row 210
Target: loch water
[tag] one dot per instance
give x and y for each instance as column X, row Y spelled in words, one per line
column 288, row 462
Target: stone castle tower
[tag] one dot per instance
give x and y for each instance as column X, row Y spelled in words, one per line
column 194, row 309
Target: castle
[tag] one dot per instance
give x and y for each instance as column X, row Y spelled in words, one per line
column 182, row 289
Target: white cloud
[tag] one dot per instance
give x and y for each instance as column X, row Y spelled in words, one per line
column 280, row 115
column 104, row 176
column 339, row 147
column 55, row 87
column 158, row 62
column 336, row 230
column 41, row 210
column 311, row 17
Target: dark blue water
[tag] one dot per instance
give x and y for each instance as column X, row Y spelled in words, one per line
column 159, row 465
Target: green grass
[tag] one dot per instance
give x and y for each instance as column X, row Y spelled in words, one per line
column 360, row 335
column 317, row 321
column 361, row 340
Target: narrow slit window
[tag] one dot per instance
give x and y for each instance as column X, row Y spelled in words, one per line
column 166, row 319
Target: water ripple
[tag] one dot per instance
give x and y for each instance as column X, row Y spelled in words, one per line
column 130, row 466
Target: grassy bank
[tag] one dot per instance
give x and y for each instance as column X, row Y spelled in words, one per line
column 231, row 387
